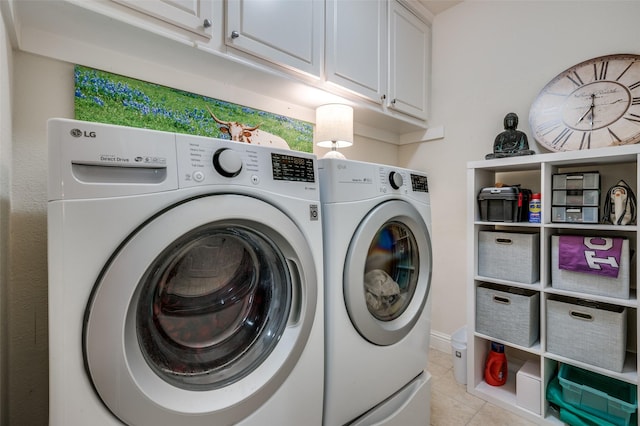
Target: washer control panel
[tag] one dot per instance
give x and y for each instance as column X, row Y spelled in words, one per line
column 292, row 168
column 209, row 161
column 395, row 180
column 227, row 162
column 103, row 160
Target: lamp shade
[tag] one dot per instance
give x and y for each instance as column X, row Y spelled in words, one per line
column 334, row 126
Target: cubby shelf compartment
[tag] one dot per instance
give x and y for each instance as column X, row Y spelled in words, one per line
column 509, row 224
column 631, row 302
column 629, row 372
column 534, row 349
column 532, row 286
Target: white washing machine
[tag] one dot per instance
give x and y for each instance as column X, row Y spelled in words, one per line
column 378, row 261
column 185, row 280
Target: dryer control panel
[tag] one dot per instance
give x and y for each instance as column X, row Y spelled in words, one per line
column 419, row 183
column 348, row 180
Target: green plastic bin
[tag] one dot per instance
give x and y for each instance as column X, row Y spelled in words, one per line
column 609, row 398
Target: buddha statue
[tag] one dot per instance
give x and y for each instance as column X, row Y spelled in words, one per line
column 511, row 142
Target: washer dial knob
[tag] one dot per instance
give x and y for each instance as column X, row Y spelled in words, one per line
column 227, row 162
column 395, row 179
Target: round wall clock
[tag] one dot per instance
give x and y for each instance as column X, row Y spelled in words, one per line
column 593, row 104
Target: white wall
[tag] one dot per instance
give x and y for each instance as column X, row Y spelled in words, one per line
column 491, row 58
column 369, row 150
column 42, row 90
column 5, row 172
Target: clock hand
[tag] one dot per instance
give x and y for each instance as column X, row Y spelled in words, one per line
column 585, row 114
column 591, row 108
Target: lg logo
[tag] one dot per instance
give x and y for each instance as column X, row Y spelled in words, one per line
column 76, row 133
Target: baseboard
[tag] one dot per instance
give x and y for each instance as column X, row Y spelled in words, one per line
column 440, row 341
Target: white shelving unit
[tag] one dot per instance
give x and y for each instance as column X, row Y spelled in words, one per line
column 535, row 172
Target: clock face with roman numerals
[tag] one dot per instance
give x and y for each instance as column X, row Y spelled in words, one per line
column 591, row 105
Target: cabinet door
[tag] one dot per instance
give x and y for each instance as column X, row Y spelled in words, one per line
column 357, row 47
column 409, row 60
column 191, row 15
column 285, row 32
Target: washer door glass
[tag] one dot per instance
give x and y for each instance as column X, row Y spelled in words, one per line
column 212, row 306
column 387, row 274
column 391, row 271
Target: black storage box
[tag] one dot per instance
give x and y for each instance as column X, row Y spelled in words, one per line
column 504, row 204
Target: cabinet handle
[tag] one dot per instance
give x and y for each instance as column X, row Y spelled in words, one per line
column 207, row 23
column 383, row 97
column 393, row 102
column 235, row 34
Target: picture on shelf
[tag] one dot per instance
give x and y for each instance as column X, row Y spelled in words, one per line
column 104, row 97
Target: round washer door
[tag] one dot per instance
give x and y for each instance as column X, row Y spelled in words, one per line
column 201, row 314
column 388, row 272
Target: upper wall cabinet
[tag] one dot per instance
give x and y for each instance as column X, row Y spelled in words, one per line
column 191, row 15
column 288, row 33
column 372, row 53
column 409, row 62
column 356, row 49
column 381, row 50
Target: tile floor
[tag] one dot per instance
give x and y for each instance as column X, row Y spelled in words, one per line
column 451, row 405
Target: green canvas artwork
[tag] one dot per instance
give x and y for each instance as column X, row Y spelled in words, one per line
column 110, row 98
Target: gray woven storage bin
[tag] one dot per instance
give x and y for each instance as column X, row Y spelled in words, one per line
column 591, row 332
column 508, row 313
column 591, row 283
column 511, row 256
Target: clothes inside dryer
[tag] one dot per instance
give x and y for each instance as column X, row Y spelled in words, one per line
column 391, row 271
column 213, row 306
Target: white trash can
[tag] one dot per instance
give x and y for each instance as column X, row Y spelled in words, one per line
column 459, row 352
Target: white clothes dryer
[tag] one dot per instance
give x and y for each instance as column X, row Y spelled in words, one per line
column 185, row 280
column 378, row 261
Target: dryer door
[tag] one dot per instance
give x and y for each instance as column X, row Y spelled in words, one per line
column 388, row 272
column 201, row 314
